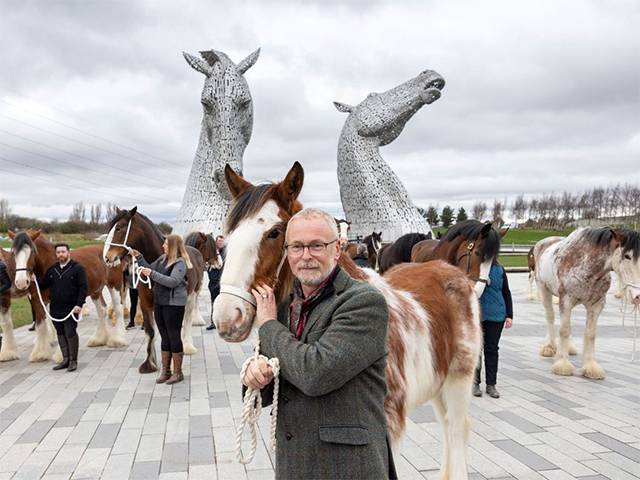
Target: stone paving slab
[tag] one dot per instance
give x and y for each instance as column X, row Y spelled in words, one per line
column 107, row 421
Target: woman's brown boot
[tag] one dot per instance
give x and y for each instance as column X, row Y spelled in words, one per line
column 177, row 369
column 165, row 374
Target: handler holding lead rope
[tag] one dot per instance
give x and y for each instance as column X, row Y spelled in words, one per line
column 330, row 342
column 67, row 284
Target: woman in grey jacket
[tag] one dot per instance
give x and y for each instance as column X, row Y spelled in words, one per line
column 168, row 274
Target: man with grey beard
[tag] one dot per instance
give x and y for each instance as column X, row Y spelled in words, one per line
column 330, row 339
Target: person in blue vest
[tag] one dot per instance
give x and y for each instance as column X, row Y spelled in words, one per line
column 497, row 313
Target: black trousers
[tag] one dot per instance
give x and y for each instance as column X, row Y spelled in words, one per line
column 68, row 328
column 491, row 332
column 169, row 321
column 133, row 296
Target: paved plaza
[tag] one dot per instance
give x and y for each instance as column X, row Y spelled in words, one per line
column 108, row 421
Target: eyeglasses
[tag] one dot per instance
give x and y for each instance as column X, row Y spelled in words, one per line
column 315, row 248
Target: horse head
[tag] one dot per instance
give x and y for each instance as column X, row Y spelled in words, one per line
column 255, row 254
column 626, row 261
column 206, row 245
column 382, row 116
column 344, row 227
column 24, row 251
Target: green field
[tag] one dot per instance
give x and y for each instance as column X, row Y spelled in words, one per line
column 20, row 312
column 513, row 260
column 75, row 240
column 524, row 236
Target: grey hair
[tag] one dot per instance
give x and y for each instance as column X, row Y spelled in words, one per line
column 310, row 213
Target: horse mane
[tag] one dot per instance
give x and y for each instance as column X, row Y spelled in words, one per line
column 21, row 240
column 248, row 203
column 470, row 230
column 191, row 239
column 597, row 236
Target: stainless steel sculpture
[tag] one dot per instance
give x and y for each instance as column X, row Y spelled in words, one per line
column 373, row 198
column 226, row 131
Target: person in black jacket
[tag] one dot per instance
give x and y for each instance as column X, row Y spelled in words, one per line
column 67, row 284
column 215, row 274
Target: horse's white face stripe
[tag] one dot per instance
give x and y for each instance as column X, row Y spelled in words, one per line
column 243, row 245
column 343, row 228
column 22, row 257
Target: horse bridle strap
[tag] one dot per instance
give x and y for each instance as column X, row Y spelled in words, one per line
column 470, row 246
column 247, row 296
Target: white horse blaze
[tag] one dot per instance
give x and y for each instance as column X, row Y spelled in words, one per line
column 243, row 245
column 22, row 276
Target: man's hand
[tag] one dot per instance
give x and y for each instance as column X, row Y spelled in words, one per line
column 76, row 310
column 508, row 322
column 146, row 271
column 266, row 308
column 258, row 374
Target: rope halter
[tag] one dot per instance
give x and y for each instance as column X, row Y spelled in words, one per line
column 136, row 270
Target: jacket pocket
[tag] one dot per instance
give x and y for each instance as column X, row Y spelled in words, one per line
column 344, row 434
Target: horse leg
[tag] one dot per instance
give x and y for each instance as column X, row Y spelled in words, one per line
column 456, row 395
column 549, row 348
column 99, row 337
column 591, row 368
column 189, row 314
column 126, row 302
column 531, row 292
column 145, row 303
column 198, row 319
column 8, row 351
column 441, row 414
column 619, row 291
column 563, row 366
column 41, row 348
column 115, row 333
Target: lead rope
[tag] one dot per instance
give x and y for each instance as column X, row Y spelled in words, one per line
column 136, row 269
column 46, row 311
column 252, row 402
column 253, row 407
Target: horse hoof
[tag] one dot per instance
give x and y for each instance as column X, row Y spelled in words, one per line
column 563, row 367
column 39, row 357
column 8, row 355
column 189, row 349
column 573, row 350
column 117, row 342
column 548, row 351
column 96, row 342
column 147, row 367
column 592, row 370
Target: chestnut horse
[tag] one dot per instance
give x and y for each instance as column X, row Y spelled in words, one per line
column 470, row 245
column 400, row 250
column 135, row 231
column 34, row 253
column 577, row 270
column 206, row 245
column 434, row 334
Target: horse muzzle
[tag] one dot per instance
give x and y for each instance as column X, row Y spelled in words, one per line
column 233, row 317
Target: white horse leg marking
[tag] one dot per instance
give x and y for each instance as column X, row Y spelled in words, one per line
column 115, row 333
column 187, row 339
column 531, row 292
column 198, row 319
column 591, row 368
column 41, row 348
column 51, row 331
column 549, row 348
column 99, row 337
column 8, row 350
column 441, row 415
column 456, row 395
column 563, row 365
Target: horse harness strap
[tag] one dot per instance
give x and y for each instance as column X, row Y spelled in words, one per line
column 467, row 254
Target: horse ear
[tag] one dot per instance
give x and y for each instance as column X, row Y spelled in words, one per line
column 248, row 62
column 504, row 232
column 133, row 211
column 343, row 107
column 290, row 187
column 235, row 182
column 197, row 64
column 33, row 234
column 486, row 228
column 619, row 235
column 11, row 234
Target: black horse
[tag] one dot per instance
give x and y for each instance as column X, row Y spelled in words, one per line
column 400, row 250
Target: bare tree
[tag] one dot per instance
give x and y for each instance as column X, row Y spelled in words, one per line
column 96, row 214
column 519, row 208
column 479, row 210
column 111, row 212
column 497, row 213
column 78, row 213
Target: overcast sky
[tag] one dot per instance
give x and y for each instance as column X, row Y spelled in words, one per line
column 96, row 98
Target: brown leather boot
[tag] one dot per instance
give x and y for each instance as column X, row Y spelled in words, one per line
column 165, row 374
column 177, row 369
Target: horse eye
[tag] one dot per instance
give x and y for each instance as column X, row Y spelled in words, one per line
column 274, row 233
column 627, row 256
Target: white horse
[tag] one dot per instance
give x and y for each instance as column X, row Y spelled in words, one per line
column 577, row 269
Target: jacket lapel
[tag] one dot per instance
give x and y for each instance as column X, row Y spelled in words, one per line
column 340, row 283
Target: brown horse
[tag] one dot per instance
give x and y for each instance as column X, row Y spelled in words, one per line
column 374, row 244
column 34, row 253
column 434, row 334
column 400, row 250
column 206, row 245
column 133, row 230
column 470, row 245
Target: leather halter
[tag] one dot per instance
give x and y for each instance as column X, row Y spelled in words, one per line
column 467, row 254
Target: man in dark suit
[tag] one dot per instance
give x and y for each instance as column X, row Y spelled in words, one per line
column 330, row 339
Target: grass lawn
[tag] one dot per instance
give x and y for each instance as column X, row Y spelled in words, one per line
column 20, row 312
column 74, row 240
column 513, row 260
column 523, row 236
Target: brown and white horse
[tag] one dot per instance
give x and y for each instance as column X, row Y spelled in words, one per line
column 577, row 270
column 206, row 245
column 434, row 334
column 470, row 245
column 34, row 253
column 374, row 245
column 343, row 231
column 130, row 229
